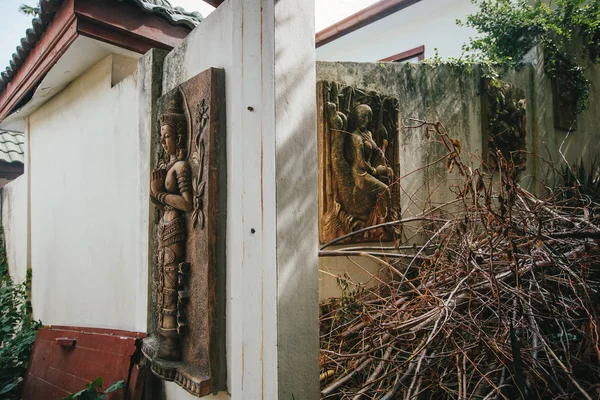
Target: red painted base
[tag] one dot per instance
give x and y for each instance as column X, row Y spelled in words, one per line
column 55, row 370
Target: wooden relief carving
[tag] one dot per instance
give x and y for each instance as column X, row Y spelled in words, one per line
column 358, row 163
column 564, row 101
column 187, row 186
column 504, row 123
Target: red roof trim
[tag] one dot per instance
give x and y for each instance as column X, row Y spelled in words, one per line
column 362, row 18
column 129, row 28
column 417, row 51
column 51, row 46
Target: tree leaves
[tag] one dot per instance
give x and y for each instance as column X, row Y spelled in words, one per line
column 567, row 30
column 29, row 10
column 17, row 330
column 93, row 390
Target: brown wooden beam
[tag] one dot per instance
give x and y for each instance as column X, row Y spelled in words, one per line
column 362, row 18
column 416, row 52
column 214, row 3
column 125, row 25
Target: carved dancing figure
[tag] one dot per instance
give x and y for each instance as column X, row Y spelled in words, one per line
column 358, row 172
column 171, row 188
column 360, row 151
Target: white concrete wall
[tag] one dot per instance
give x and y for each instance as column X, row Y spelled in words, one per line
column 84, row 180
column 431, row 23
column 267, row 52
column 14, row 222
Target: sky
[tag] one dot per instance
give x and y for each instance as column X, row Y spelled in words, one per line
column 13, row 24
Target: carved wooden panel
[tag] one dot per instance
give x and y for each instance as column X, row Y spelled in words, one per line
column 358, row 163
column 186, row 342
column 564, row 102
column 504, row 127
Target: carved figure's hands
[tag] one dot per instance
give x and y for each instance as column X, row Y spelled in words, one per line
column 382, row 170
column 157, row 181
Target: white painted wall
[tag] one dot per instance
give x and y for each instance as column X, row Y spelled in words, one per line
column 84, row 180
column 14, row 221
column 431, row 23
column 267, row 51
column 89, row 216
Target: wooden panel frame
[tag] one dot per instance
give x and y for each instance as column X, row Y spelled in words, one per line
column 200, row 368
column 331, row 225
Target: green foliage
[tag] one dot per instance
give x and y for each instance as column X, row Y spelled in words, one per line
column 17, row 330
column 582, row 181
column 351, row 291
column 93, row 390
column 463, row 64
column 511, row 28
column 29, row 10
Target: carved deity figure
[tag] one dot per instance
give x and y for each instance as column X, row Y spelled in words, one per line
column 361, row 152
column 359, row 168
column 171, row 189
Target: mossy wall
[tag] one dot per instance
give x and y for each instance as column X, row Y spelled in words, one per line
column 453, row 96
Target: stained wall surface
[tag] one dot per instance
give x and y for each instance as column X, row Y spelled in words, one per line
column 429, row 23
column 424, row 94
column 453, row 97
column 83, row 171
column 14, row 223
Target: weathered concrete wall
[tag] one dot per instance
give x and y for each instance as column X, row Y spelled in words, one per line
column 84, row 190
column 585, row 141
column 429, row 23
column 424, row 94
column 453, row 97
column 555, row 147
column 267, row 52
column 14, row 222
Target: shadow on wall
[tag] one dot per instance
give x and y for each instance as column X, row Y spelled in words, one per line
column 296, row 166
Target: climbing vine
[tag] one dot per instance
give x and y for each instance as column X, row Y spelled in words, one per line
column 568, row 31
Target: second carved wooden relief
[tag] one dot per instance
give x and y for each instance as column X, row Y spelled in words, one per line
column 358, row 163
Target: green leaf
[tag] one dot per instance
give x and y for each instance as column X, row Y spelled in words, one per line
column 76, row 396
column 96, row 383
column 115, row 386
column 11, row 386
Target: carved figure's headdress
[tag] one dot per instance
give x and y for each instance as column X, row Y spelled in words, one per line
column 175, row 118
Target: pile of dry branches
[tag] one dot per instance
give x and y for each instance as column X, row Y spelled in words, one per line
column 500, row 302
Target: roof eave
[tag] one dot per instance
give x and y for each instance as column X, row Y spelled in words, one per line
column 122, row 24
column 361, row 19
column 214, row 3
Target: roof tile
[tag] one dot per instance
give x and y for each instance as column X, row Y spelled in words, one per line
column 12, row 147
